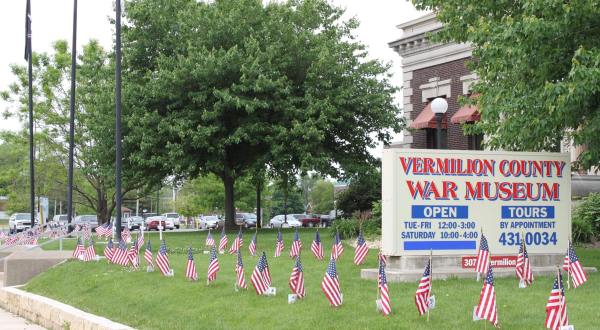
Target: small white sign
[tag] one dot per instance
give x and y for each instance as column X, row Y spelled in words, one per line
column 171, row 273
column 378, row 305
column 431, row 303
column 149, row 269
column 206, row 252
column 97, row 257
column 475, row 317
column 341, row 297
column 292, row 298
column 567, row 327
column 522, row 284
column 271, row 291
column 221, row 252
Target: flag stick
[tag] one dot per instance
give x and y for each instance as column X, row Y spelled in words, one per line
column 569, row 267
column 72, row 118
column 478, row 255
column 558, row 279
column 430, row 280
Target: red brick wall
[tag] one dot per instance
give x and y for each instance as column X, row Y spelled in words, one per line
column 451, row 70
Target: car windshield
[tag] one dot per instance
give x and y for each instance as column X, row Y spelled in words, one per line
column 172, row 215
column 89, row 218
column 211, row 218
column 62, row 218
column 251, row 216
column 23, row 217
column 300, row 216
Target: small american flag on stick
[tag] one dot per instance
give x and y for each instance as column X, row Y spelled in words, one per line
column 279, row 245
column 213, row 266
column 317, row 247
column 148, row 255
column 338, row 248
column 556, row 307
column 223, row 241
column 573, row 266
column 296, row 245
column 239, row 272
column 90, row 251
column 261, row 277
column 237, row 243
column 121, row 257
column 132, row 255
column 487, row 309
column 482, row 262
column 79, row 249
column 252, row 246
column 523, row 265
column 297, row 279
column 361, row 250
column 210, row 241
column 109, row 251
column 190, row 269
column 331, row 285
column 162, row 259
column 423, row 290
column 384, row 293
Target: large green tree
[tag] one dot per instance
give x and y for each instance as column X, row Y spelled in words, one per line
column 321, row 197
column 229, row 86
column 538, row 63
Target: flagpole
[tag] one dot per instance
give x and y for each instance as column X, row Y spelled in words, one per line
column 569, row 266
column 558, row 280
column 72, row 117
column 478, row 254
column 118, row 154
column 430, row 280
column 28, row 54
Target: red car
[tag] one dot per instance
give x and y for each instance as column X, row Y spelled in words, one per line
column 307, row 220
column 153, row 224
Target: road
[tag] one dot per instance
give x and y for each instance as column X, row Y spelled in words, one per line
column 9, row 321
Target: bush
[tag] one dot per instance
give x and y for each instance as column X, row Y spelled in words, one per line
column 348, row 228
column 586, row 219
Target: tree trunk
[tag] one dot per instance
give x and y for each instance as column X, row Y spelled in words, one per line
column 102, row 209
column 258, row 213
column 229, row 182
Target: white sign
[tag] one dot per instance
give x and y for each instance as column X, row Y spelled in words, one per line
column 271, row 291
column 441, row 200
column 292, row 298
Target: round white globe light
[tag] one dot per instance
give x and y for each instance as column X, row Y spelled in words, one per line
column 439, row 105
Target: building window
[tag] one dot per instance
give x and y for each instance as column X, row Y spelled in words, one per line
column 475, row 141
column 431, row 142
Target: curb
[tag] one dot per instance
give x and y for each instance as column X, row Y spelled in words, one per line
column 52, row 314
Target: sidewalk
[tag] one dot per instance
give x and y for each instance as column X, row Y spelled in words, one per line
column 10, row 321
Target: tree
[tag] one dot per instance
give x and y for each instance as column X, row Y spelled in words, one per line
column 307, row 183
column 286, row 199
column 362, row 192
column 321, row 197
column 229, row 86
column 94, row 123
column 538, row 64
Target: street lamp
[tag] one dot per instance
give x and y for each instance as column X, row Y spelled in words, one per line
column 439, row 106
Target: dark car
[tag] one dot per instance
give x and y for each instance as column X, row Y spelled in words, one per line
column 248, row 220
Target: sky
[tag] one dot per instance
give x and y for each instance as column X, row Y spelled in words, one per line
column 52, row 20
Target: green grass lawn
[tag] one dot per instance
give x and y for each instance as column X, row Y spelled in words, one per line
column 150, row 301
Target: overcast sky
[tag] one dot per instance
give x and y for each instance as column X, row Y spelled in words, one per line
column 52, row 20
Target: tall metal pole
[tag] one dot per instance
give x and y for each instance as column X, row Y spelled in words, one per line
column 438, row 118
column 72, row 117
column 28, row 57
column 118, row 119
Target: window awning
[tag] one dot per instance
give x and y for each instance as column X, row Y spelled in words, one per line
column 466, row 113
column 426, row 119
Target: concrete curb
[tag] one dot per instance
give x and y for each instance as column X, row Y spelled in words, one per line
column 52, row 314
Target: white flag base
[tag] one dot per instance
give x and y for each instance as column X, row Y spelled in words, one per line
column 206, row 252
column 522, row 284
column 341, row 297
column 567, row 327
column 378, row 305
column 171, row 273
column 271, row 291
column 221, row 252
column 149, row 269
column 431, row 303
column 292, row 298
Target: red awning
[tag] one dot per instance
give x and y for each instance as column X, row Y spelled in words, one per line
column 466, row 113
column 426, row 119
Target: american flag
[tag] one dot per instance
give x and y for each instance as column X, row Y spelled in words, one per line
column 361, row 249
column 90, row 252
column 573, row 266
column 109, row 251
column 279, row 245
column 239, row 272
column 482, row 262
column 139, row 240
column 556, row 307
column 331, row 285
column 523, row 265
column 121, row 256
column 132, row 255
column 162, row 259
column 105, row 230
column 213, row 266
column 316, row 247
column 297, row 279
column 148, row 255
column 237, row 243
column 190, row 269
column 382, row 259
column 296, row 245
column 126, row 235
column 261, row 277
column 338, row 248
column 210, row 241
column 252, row 246
column 384, row 293
column 486, row 309
column 224, row 241
column 87, row 232
column 79, row 249
column 424, row 290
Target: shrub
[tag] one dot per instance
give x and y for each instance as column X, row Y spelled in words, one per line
column 586, row 219
column 348, row 228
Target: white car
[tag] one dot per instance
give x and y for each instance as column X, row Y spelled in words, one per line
column 279, row 221
column 174, row 217
column 168, row 222
column 60, row 219
column 19, row 221
column 209, row 221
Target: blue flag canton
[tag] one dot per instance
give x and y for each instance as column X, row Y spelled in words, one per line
column 298, row 264
column 213, row 254
column 110, row 243
column 296, row 237
column 122, row 245
column 318, row 237
column 489, row 279
column 262, row 263
column 190, row 254
column 331, row 269
column 163, row 248
column 558, row 284
column 239, row 259
column 337, row 238
column 427, row 269
column 484, row 244
column 382, row 277
column 572, row 256
column 279, row 236
column 361, row 239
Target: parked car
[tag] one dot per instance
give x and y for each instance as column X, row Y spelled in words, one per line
column 148, row 215
column 19, row 221
column 308, row 220
column 175, row 217
column 133, row 222
column 210, row 221
column 91, row 220
column 153, row 222
column 327, row 219
column 60, row 219
column 248, row 220
column 278, row 221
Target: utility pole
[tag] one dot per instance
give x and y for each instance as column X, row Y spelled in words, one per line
column 118, row 119
column 72, row 117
